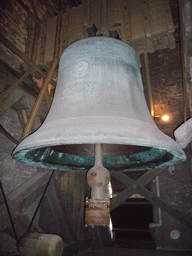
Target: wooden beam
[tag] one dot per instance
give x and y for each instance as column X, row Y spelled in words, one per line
column 45, row 82
column 59, row 211
column 51, row 9
column 22, row 197
column 34, row 10
column 26, row 8
column 7, row 93
column 22, row 56
column 136, row 187
column 126, row 193
column 8, row 135
column 16, row 95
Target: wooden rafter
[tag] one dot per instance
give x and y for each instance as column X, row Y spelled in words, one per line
column 26, row 8
column 21, row 55
column 33, row 9
column 45, row 82
column 50, row 8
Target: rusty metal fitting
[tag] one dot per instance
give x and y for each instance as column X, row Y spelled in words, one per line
column 97, row 212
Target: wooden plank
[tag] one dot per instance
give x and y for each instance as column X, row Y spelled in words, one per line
column 15, row 96
column 133, row 252
column 8, row 135
column 126, row 193
column 21, row 55
column 22, row 197
column 7, row 93
column 153, row 199
column 73, row 190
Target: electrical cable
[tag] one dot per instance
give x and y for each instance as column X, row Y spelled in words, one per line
column 35, row 213
column 9, row 213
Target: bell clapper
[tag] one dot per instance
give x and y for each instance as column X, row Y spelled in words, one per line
column 97, row 207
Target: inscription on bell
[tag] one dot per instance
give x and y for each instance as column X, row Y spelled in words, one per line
column 82, row 89
column 81, row 67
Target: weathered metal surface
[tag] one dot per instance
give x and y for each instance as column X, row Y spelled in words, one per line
column 99, row 99
column 97, row 212
column 97, row 208
column 98, row 176
column 183, row 133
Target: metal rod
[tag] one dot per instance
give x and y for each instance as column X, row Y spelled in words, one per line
column 35, row 213
column 159, row 223
column 98, row 154
column 22, row 56
column 8, row 135
column 148, row 83
column 9, row 213
column 7, row 93
column 45, row 83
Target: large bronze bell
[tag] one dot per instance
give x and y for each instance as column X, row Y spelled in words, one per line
column 99, row 99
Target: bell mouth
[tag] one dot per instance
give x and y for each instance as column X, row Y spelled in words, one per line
column 80, row 157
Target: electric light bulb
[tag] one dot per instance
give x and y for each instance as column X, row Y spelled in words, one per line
column 165, row 117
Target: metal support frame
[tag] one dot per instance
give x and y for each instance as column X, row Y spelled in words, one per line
column 138, row 187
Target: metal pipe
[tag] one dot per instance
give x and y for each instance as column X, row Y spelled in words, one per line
column 9, row 213
column 22, row 56
column 159, row 223
column 7, row 93
column 45, row 83
column 98, row 154
column 148, row 83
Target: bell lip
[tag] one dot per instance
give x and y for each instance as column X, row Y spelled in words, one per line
column 170, row 146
